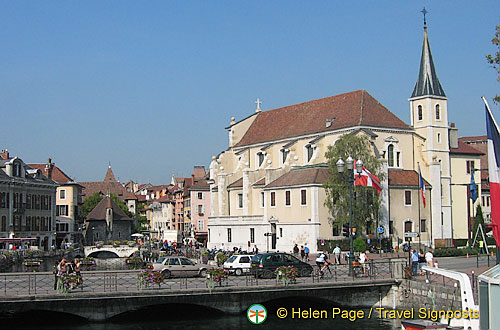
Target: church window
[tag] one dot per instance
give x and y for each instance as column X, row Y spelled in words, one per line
column 284, row 155
column 260, row 159
column 438, row 112
column 390, row 155
column 240, row 201
column 420, row 113
column 398, row 156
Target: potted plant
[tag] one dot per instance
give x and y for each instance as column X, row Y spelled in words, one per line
column 215, row 276
column 149, row 277
column 287, row 274
column 204, row 257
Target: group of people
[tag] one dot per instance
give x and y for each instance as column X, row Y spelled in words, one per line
column 419, row 259
column 304, row 252
column 63, row 267
column 323, row 261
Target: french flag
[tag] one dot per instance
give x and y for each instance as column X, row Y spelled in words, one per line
column 421, row 185
column 367, row 179
column 493, row 170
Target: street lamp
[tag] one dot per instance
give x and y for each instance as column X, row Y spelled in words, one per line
column 349, row 178
column 93, row 239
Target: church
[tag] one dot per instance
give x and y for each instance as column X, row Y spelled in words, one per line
column 267, row 189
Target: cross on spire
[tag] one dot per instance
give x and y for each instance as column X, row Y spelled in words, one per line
column 258, row 102
column 423, row 11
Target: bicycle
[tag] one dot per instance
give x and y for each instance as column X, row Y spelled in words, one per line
column 321, row 270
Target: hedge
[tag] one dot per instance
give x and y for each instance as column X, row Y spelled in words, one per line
column 463, row 241
column 454, row 252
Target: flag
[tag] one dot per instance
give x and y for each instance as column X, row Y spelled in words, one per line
column 367, row 179
column 473, row 187
column 421, row 185
column 493, row 170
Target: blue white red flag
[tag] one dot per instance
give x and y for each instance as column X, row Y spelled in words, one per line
column 421, row 185
column 493, row 170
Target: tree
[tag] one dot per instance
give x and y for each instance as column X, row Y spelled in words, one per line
column 94, row 199
column 478, row 220
column 494, row 59
column 366, row 201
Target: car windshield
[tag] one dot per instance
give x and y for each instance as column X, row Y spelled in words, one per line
column 230, row 260
column 159, row 261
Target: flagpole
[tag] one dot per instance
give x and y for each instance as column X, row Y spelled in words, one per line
column 419, row 221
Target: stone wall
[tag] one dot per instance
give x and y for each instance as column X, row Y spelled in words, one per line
column 418, row 294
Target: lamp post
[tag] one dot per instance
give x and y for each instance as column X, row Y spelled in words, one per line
column 348, row 176
column 93, row 239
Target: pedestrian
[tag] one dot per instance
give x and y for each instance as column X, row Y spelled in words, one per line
column 56, row 273
column 255, row 249
column 306, row 250
column 414, row 263
column 363, row 259
column 336, row 253
column 78, row 272
column 61, row 270
column 421, row 262
column 302, row 253
column 429, row 259
column 296, row 250
column 481, row 246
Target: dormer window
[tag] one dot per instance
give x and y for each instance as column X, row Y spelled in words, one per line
column 420, row 113
column 438, row 112
column 260, row 158
column 309, row 152
column 284, row 155
column 17, row 169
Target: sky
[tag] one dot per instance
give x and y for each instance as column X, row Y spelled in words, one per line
column 149, row 86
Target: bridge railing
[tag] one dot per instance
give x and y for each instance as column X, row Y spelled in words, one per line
column 43, row 283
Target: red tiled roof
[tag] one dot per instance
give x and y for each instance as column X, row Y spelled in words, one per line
column 236, row 184
column 163, row 199
column 301, row 176
column 57, row 174
column 141, row 198
column 347, row 110
column 260, row 182
column 200, row 184
column 473, row 138
column 110, row 176
column 405, row 178
column 109, row 185
column 465, row 149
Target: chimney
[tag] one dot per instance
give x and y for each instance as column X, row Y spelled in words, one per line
column 5, row 154
column 48, row 168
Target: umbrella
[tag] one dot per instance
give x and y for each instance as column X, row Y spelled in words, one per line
column 137, row 235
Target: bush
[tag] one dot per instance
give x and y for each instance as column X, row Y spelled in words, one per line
column 359, row 244
column 454, row 252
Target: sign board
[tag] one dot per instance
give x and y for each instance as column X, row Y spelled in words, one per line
column 268, row 234
column 411, row 234
column 380, row 230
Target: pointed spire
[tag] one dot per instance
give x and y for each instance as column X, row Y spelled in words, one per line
column 110, row 177
column 428, row 82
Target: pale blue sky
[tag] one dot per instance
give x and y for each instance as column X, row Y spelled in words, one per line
column 150, row 85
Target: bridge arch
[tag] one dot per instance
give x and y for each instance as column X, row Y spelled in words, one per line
column 103, row 254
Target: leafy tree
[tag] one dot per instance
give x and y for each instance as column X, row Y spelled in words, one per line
column 366, row 201
column 494, row 59
column 94, row 199
column 359, row 244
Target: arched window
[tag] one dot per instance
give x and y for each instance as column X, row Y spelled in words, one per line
column 438, row 112
column 390, row 155
column 420, row 113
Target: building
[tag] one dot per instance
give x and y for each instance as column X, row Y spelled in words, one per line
column 200, row 205
column 110, row 186
column 107, row 222
column 268, row 185
column 27, row 205
column 68, row 202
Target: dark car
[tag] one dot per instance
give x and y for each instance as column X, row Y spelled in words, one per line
column 264, row 264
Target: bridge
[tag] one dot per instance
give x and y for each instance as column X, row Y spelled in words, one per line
column 106, row 294
column 110, row 251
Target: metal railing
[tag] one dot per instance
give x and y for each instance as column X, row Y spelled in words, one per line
column 43, row 283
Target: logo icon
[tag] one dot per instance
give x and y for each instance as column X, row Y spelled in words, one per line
column 256, row 314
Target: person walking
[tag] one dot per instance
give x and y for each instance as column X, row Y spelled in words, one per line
column 421, row 262
column 363, row 259
column 414, row 263
column 429, row 259
column 302, row 253
column 56, row 273
column 336, row 253
column 306, row 250
column 296, row 250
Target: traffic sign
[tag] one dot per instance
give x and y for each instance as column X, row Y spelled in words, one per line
column 380, row 230
column 411, row 234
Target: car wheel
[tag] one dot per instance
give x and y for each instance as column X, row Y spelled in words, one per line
column 267, row 274
column 166, row 273
column 203, row 272
column 238, row 272
column 304, row 272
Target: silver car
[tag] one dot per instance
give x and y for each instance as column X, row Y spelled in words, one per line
column 179, row 266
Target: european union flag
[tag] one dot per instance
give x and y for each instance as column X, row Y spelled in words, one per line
column 473, row 187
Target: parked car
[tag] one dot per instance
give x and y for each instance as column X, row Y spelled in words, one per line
column 265, row 264
column 238, row 264
column 179, row 266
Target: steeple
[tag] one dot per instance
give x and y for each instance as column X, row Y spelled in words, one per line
column 110, row 177
column 428, row 82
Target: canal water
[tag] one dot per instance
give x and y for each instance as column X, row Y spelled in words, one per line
column 195, row 317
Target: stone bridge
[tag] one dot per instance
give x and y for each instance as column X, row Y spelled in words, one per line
column 231, row 300
column 110, row 251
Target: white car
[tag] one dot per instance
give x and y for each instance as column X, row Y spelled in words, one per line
column 238, row 264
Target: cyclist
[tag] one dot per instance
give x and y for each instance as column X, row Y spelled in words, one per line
column 322, row 261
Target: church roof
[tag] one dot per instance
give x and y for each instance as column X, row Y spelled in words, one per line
column 405, row 178
column 99, row 211
column 428, row 82
column 110, row 176
column 109, row 185
column 357, row 108
column 301, row 176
